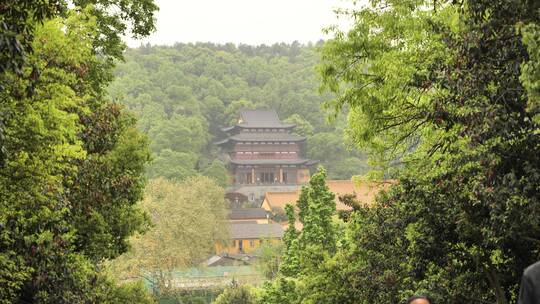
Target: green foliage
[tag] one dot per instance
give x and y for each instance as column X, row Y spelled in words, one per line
column 385, row 76
column 306, row 252
column 19, row 21
column 303, row 127
column 186, row 296
column 236, row 294
column 184, row 94
column 436, row 86
column 269, row 255
column 188, row 219
column 58, row 133
column 180, row 134
column 108, row 184
column 278, row 215
column 281, row 290
column 133, row 292
column 173, row 165
column 530, row 70
column 234, row 108
column 217, row 171
column 334, row 155
column 290, row 265
column 318, row 228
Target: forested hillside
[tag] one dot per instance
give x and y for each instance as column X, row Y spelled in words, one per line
column 184, row 94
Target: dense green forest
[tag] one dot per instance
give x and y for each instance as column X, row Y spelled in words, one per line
column 184, row 94
column 442, row 95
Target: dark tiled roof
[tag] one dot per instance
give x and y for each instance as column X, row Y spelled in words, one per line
column 247, row 213
column 263, row 136
column 261, row 118
column 298, row 161
column 225, row 259
column 256, row 231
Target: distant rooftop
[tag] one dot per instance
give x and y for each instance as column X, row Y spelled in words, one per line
column 226, row 259
column 256, row 231
column 248, row 213
column 365, row 193
column 260, row 118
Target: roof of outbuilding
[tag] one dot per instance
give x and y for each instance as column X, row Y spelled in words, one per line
column 280, row 199
column 256, row 231
column 365, row 193
column 226, row 259
column 247, row 213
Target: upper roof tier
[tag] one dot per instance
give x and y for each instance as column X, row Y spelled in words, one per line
column 260, row 118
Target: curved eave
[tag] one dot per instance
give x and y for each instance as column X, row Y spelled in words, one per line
column 312, row 162
column 225, row 141
column 251, row 162
column 227, row 129
column 240, row 126
column 221, row 142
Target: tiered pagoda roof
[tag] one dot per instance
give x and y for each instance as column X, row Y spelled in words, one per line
column 262, row 125
column 259, row 119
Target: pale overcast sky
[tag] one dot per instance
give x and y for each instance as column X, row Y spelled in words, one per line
column 243, row 21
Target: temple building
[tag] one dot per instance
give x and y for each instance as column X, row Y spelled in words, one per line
column 262, row 155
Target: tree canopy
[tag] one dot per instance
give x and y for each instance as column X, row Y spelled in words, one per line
column 73, row 163
column 188, row 219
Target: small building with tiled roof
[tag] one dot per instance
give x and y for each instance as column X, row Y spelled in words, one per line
column 260, row 151
column 247, row 237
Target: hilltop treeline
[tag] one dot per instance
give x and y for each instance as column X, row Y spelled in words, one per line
column 184, row 94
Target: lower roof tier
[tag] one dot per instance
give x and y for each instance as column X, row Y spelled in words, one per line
column 262, row 137
column 298, row 161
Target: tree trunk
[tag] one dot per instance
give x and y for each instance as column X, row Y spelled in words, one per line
column 493, row 279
